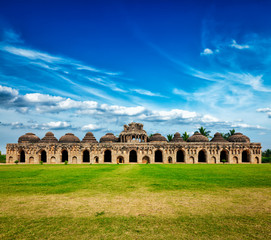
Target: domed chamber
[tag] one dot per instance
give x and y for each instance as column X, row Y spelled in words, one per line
column 218, row 138
column 28, row 138
column 239, row 137
column 109, row 137
column 157, row 137
column 49, row 138
column 177, row 138
column 89, row 138
column 69, row 138
column 197, row 137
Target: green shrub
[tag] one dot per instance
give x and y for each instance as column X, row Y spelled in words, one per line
column 266, row 159
column 2, row 158
column 223, row 160
column 41, row 162
column 66, row 162
column 16, row 161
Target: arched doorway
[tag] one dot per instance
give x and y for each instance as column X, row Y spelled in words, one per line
column 120, row 159
column 201, row 156
column 180, row 156
column 223, row 155
column 96, row 159
column 107, row 156
column 145, row 159
column 43, row 156
column 158, row 156
column 22, row 156
column 133, row 156
column 245, row 156
column 64, row 156
column 257, row 160
column 169, row 159
column 86, row 157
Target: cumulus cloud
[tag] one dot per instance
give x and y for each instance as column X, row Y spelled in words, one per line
column 207, row 51
column 239, row 46
column 265, row 110
column 91, row 127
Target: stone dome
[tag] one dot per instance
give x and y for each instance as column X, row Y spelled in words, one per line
column 218, row 138
column 69, row 138
column 239, row 137
column 49, row 138
column 177, row 138
column 89, row 138
column 28, row 138
column 197, row 137
column 157, row 137
column 109, row 137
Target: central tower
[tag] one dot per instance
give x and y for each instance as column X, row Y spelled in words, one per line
column 134, row 132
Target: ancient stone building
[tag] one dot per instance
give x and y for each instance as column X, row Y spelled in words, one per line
column 133, row 146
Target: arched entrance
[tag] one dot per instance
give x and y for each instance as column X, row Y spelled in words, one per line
column 107, row 156
column 133, row 156
column 86, row 157
column 257, row 160
column 169, row 159
column 158, row 156
column 223, row 155
column 120, row 159
column 43, row 156
column 64, row 156
column 145, row 159
column 96, row 159
column 245, row 156
column 201, row 157
column 22, row 156
column 180, row 156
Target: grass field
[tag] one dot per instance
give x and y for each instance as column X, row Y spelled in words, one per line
column 135, row 201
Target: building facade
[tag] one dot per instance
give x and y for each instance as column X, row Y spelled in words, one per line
column 133, row 146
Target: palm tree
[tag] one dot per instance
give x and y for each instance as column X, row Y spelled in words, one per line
column 185, row 136
column 169, row 137
column 204, row 132
column 227, row 135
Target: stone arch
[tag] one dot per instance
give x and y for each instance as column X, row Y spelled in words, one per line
column 22, row 156
column 202, row 158
column 86, row 156
column 31, row 160
column 43, row 156
column 257, row 160
column 74, row 159
column 245, row 156
column 224, row 154
column 120, row 159
column 169, row 159
column 132, row 156
column 191, row 159
column 213, row 159
column 53, row 159
column 145, row 159
column 10, row 159
column 96, row 159
column 180, row 156
column 235, row 159
column 107, row 156
column 64, row 155
column 158, row 156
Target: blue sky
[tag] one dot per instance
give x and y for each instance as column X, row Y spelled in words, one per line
column 78, row 66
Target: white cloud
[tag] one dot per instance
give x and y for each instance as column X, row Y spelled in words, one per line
column 239, row 46
column 90, row 127
column 146, row 92
column 207, row 51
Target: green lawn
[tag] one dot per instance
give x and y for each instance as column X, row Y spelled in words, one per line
column 135, row 201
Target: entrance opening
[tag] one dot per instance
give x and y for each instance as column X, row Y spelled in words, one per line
column 245, row 156
column 120, row 159
column 64, row 156
column 133, row 156
column 96, row 160
column 146, row 159
column 107, row 156
column 257, row 160
column 22, row 156
column 169, row 159
column 86, row 156
column 202, row 156
column 43, row 156
column 180, row 156
column 224, row 155
column 158, row 156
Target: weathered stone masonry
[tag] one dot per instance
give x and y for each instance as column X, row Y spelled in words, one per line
column 133, row 146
